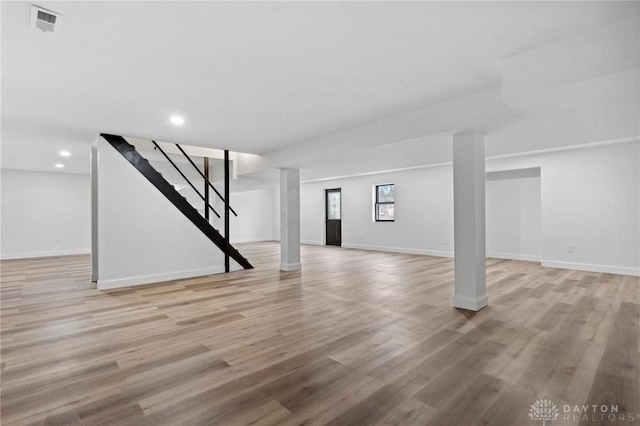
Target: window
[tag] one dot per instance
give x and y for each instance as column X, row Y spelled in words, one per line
column 333, row 204
column 385, row 203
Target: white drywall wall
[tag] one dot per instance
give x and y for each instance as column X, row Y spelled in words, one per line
column 589, row 199
column 142, row 237
column 255, row 215
column 275, row 211
column 513, row 215
column 424, row 212
column 45, row 214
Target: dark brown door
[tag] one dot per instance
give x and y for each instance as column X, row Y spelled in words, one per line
column 333, row 200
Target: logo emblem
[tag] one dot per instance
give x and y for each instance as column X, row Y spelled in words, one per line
column 544, row 410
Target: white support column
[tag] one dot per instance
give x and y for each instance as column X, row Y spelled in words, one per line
column 469, row 221
column 289, row 219
column 94, row 212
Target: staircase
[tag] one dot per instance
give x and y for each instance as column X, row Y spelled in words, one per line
column 129, row 152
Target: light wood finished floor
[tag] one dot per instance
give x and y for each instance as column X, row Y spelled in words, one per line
column 356, row 338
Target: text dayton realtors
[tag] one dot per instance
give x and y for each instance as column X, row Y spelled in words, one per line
column 596, row 413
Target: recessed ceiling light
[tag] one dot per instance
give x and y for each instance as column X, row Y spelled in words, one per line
column 65, row 153
column 59, row 166
column 178, row 121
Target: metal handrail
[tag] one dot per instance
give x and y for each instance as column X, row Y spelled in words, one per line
column 185, row 178
column 204, row 177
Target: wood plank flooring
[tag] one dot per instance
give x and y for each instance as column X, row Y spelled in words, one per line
column 355, row 338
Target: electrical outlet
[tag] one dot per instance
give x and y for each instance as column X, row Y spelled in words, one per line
column 571, row 248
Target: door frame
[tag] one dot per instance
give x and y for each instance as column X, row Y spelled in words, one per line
column 326, row 215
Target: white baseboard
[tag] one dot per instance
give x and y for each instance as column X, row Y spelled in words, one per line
column 31, row 255
column 290, row 266
column 155, row 278
column 310, row 242
column 436, row 253
column 619, row 270
column 514, row 256
column 250, row 240
column 471, row 304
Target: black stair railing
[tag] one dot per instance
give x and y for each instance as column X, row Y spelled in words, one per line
column 129, row 152
column 185, row 178
column 205, row 178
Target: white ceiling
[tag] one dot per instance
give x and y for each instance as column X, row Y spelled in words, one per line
column 283, row 78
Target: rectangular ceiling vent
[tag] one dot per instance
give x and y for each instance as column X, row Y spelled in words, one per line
column 45, row 19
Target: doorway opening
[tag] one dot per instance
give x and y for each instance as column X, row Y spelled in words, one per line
column 333, row 203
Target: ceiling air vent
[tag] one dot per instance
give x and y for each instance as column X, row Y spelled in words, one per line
column 44, row 19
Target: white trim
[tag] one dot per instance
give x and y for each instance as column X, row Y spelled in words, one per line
column 619, row 270
column 157, row 278
column 43, row 254
column 290, row 266
column 251, row 240
column 494, row 157
column 515, row 256
column 436, row 253
column 565, row 148
column 56, row 171
column 402, row 169
column 312, row 242
column 469, row 303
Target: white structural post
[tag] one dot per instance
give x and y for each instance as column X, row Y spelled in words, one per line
column 289, row 219
column 469, row 221
column 94, row 212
